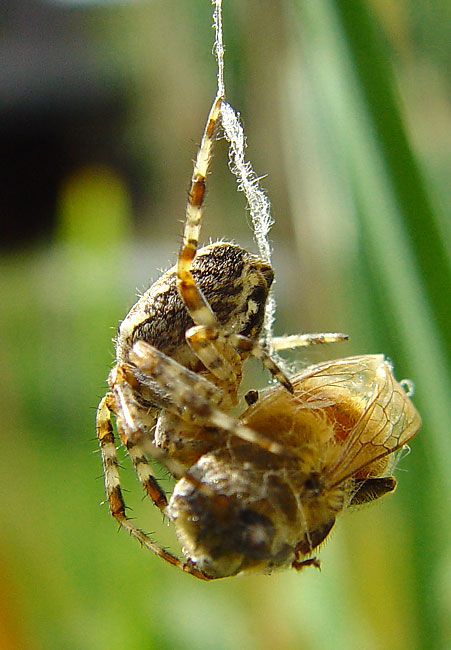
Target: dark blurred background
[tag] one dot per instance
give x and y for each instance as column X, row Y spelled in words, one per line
column 346, row 108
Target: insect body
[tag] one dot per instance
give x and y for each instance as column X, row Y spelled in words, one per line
column 264, row 510
column 259, row 491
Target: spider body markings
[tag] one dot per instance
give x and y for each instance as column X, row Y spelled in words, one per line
column 260, row 491
column 235, row 284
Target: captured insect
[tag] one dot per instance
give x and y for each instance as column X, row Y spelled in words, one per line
column 260, row 491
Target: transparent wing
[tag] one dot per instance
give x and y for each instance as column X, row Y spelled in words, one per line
column 370, row 411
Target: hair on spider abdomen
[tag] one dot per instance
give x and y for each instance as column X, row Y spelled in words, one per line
column 235, row 283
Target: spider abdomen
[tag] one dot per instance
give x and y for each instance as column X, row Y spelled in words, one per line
column 235, row 283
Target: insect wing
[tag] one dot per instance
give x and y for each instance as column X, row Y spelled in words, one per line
column 380, row 416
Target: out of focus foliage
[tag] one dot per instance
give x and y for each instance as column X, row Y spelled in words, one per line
column 345, row 107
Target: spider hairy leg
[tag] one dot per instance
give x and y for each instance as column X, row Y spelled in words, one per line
column 131, row 429
column 222, row 344
column 220, row 358
column 193, row 298
column 304, row 340
column 145, row 475
column 205, row 345
column 105, row 435
column 179, row 382
column 116, row 502
column 195, row 393
column 254, row 348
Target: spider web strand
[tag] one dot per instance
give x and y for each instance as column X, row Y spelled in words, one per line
column 218, row 47
column 247, row 180
column 258, row 203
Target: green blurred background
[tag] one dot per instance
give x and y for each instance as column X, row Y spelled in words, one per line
column 346, row 109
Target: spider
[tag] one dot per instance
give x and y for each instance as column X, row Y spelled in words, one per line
column 260, row 491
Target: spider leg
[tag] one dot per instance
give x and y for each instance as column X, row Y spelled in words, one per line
column 205, row 340
column 213, row 346
column 218, row 356
column 134, row 425
column 175, row 379
column 193, row 298
column 116, row 502
column 133, row 431
column 303, row 340
column 247, row 345
column 214, row 360
column 106, row 436
column 145, row 474
column 195, row 394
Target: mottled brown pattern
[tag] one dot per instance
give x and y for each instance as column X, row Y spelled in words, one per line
column 228, row 277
